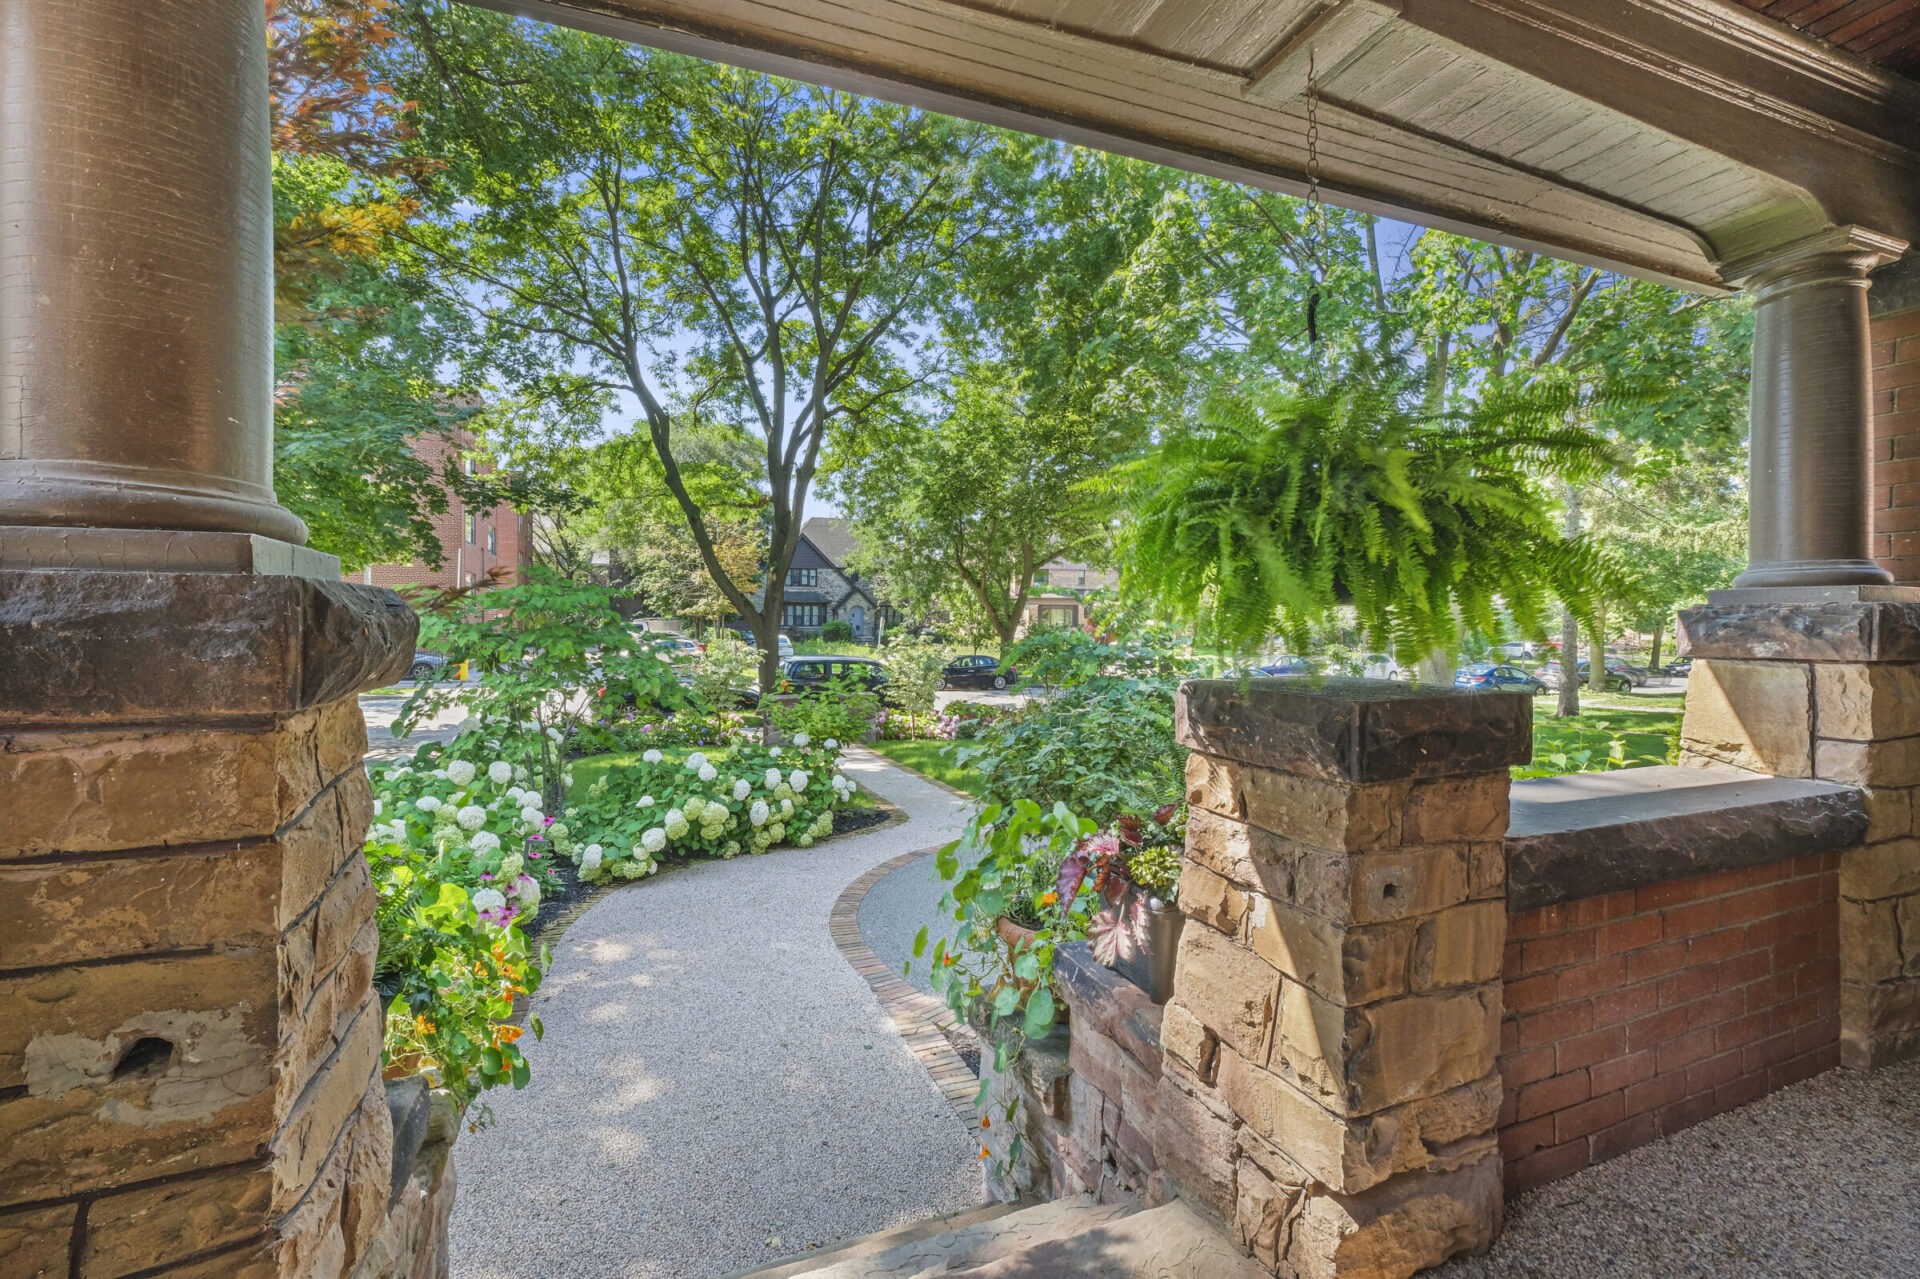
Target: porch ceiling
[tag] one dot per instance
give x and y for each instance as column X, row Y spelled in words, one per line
column 1660, row 137
column 1886, row 32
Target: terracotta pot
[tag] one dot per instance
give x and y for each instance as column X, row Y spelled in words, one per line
column 1016, row 936
column 1152, row 968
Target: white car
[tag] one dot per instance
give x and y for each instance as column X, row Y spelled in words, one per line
column 1381, row 666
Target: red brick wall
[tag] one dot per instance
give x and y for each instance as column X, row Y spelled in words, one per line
column 464, row 561
column 1896, row 444
column 1635, row 1014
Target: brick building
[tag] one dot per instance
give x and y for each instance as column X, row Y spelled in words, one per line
column 473, row 542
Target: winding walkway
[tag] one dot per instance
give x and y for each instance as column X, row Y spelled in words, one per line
column 717, row 1087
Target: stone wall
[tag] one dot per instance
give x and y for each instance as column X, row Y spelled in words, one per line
column 189, row 1039
column 1631, row 1015
column 1088, row 1094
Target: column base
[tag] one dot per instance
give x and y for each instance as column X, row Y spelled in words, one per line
column 1813, row 573
column 31, row 546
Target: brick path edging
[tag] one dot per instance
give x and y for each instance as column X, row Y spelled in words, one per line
column 920, row 1019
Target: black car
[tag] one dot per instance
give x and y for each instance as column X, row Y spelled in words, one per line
column 977, row 670
column 1491, row 676
column 811, row 674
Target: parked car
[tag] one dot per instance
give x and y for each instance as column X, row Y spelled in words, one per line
column 1678, row 670
column 1619, row 680
column 1285, row 664
column 425, row 666
column 1521, row 650
column 1382, row 666
column 1497, row 677
column 746, row 637
column 675, row 648
column 977, row 670
column 811, row 674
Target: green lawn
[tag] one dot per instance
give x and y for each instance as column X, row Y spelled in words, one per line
column 930, row 758
column 1650, row 734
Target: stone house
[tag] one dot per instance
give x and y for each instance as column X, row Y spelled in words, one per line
column 822, row 588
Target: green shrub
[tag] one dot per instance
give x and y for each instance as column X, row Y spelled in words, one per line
column 1104, row 749
column 837, row 632
column 843, row 709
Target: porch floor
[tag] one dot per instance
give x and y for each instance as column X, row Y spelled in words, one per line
column 1820, row 1180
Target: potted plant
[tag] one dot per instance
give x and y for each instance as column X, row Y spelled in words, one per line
column 1135, row 870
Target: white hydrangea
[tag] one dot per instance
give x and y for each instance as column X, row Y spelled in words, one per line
column 692, row 810
column 489, row 899
column 696, row 761
column 499, row 772
column 833, row 744
column 512, row 864
column 484, row 843
column 774, row 751
column 472, row 817
column 652, row 757
column 554, row 734
column 654, row 840
column 759, row 813
column 427, row 804
column 786, row 808
column 377, row 807
column 527, row 889
column 708, row 772
column 741, row 789
column 798, row 779
column 461, row 772
column 646, row 801
column 773, row 778
column 440, row 774
column 590, row 858
column 802, row 740
column 676, row 824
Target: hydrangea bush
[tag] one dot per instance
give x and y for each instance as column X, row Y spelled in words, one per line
column 479, row 826
column 747, row 799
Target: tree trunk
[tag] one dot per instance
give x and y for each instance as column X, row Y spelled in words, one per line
column 1569, row 703
column 1653, row 656
column 1597, row 653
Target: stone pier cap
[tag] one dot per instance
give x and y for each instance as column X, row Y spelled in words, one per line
column 1591, row 834
column 1355, row 730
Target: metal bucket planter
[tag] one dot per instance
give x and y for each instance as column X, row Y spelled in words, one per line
column 1151, row 967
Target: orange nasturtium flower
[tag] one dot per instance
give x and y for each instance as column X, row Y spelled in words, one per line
column 1048, row 899
column 506, row 1034
column 984, row 1152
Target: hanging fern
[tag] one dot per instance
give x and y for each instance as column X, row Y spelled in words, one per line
column 1279, row 504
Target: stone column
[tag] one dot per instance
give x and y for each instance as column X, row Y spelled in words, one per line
column 189, row 1037
column 1330, row 1087
column 1812, row 445
column 136, row 277
column 1830, row 688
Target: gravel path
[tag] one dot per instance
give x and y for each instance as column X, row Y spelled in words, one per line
column 717, row 1087
column 381, row 709
column 1818, row 1181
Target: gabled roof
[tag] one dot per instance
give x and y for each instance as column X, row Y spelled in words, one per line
column 832, row 537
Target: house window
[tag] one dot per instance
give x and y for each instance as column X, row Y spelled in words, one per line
column 473, row 528
column 468, row 463
column 803, row 577
column 804, row 616
column 1059, row 615
column 493, row 539
column 1040, row 577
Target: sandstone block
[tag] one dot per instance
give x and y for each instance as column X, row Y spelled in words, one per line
column 1889, row 814
column 1350, row 1154
column 338, row 1090
column 149, row 1227
column 1231, row 990
column 1404, row 1225
column 313, row 851
column 1752, row 715
column 1893, row 762
column 1457, row 808
column 1375, row 887
column 1863, row 702
column 35, row 1244
column 1354, row 730
column 1355, row 1061
column 73, row 911
column 1212, row 899
column 1459, row 946
column 1188, row 1041
column 1329, row 814
column 1193, row 1138
column 1349, row 964
column 1878, row 871
column 1879, row 1024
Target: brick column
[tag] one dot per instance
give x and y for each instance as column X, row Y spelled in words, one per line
column 1330, row 1087
column 1831, row 689
column 1896, row 440
column 189, row 1038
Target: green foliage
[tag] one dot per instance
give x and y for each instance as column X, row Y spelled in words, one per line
column 451, row 979
column 1105, row 749
column 1601, row 741
column 914, row 667
column 844, row 710
column 1068, row 657
column 553, row 660
column 837, row 631
column 724, row 671
column 1276, row 507
column 1156, row 868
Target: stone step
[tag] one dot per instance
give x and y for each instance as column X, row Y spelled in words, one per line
column 1066, row 1239
column 806, row 1263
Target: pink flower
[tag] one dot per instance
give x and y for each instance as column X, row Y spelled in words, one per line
column 535, row 854
column 486, row 877
column 549, row 822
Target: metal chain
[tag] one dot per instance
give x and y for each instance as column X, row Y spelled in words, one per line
column 1313, row 143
